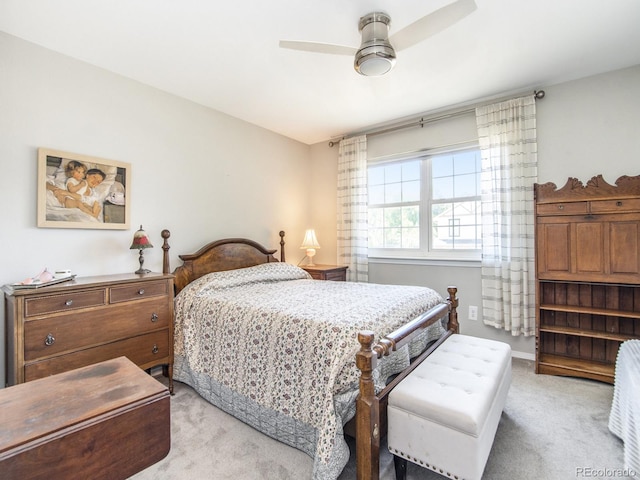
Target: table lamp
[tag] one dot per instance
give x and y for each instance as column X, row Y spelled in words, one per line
column 310, row 242
column 140, row 242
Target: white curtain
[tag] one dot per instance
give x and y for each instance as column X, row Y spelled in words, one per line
column 352, row 208
column 507, row 134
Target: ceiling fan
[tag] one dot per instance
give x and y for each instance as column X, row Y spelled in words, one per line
column 376, row 54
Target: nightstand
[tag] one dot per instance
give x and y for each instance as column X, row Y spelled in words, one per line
column 327, row 272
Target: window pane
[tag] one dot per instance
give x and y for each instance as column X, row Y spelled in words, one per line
column 392, row 238
column 376, row 217
column 465, row 185
column 393, row 217
column 442, row 187
column 411, row 216
column 411, row 171
column 410, row 238
column 441, row 166
column 464, row 162
column 411, row 191
column 376, row 175
column 393, row 173
column 376, row 194
column 393, row 193
column 456, row 226
column 376, row 238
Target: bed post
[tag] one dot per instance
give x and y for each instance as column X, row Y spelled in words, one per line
column 281, row 245
column 165, row 251
column 453, row 324
column 367, row 413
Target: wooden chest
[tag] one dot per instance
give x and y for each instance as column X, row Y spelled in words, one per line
column 105, row 421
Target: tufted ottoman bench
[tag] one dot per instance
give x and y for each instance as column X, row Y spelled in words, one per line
column 444, row 415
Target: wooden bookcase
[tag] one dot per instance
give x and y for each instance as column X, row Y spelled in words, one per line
column 587, row 275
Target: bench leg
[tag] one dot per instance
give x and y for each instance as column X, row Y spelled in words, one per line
column 400, row 465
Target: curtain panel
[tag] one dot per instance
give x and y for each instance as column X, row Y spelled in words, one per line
column 508, row 145
column 352, row 245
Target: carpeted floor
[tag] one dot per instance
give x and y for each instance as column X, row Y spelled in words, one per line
column 552, row 428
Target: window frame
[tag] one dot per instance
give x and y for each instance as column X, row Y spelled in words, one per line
column 426, row 250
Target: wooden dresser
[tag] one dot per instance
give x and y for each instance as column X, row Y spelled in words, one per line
column 327, row 272
column 105, row 421
column 587, row 275
column 61, row 327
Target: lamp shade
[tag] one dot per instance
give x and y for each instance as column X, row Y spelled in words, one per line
column 310, row 240
column 140, row 240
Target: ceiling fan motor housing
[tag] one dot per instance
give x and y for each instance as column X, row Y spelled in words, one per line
column 375, row 56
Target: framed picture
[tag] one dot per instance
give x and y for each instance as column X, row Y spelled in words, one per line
column 78, row 191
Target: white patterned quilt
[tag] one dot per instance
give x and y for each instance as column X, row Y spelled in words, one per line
column 277, row 349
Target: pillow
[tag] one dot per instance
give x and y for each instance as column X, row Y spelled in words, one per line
column 266, row 272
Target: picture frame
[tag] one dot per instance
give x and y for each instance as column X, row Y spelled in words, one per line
column 81, row 191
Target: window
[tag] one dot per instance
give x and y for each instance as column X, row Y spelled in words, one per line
column 426, row 206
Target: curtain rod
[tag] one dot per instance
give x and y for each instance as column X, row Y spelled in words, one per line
column 538, row 94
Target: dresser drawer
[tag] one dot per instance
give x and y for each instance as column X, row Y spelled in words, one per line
column 570, row 208
column 64, row 302
column 137, row 291
column 143, row 350
column 616, row 206
column 55, row 335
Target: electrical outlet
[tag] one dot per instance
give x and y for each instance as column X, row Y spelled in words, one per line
column 473, row 312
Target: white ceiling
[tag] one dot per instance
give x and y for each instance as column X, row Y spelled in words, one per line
column 225, row 55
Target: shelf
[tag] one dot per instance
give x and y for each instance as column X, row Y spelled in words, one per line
column 607, row 312
column 561, row 365
column 580, row 332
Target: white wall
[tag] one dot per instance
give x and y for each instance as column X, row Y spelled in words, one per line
column 205, row 175
column 585, row 127
column 199, row 173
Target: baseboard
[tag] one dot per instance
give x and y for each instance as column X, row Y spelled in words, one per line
column 523, row 355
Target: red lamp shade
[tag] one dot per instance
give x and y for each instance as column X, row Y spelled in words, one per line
column 140, row 240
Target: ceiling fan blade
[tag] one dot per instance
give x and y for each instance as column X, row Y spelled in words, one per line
column 318, row 47
column 433, row 23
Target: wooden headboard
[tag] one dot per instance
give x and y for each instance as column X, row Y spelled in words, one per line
column 217, row 256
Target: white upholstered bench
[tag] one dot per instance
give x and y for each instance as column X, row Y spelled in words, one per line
column 444, row 415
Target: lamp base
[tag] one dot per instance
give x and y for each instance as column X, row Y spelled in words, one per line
column 310, row 253
column 141, row 270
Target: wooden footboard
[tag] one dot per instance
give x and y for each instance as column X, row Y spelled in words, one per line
column 371, row 409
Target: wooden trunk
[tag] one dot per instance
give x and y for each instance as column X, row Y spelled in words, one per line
column 106, row 421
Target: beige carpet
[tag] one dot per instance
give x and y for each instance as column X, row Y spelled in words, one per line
column 552, row 428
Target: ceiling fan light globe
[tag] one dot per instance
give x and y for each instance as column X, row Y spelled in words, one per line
column 374, row 60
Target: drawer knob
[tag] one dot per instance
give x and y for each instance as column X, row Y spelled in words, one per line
column 618, row 204
column 68, row 303
column 560, row 207
column 141, row 291
column 49, row 340
column 154, row 317
column 155, row 349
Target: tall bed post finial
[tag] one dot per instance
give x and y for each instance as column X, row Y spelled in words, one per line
column 165, row 251
column 281, row 245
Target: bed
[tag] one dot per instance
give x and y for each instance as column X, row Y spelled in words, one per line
column 301, row 360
